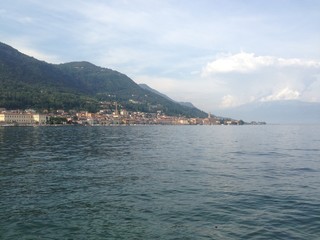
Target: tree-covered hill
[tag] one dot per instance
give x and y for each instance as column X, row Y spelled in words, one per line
column 29, row 83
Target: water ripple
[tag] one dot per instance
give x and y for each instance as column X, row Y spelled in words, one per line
column 160, row 182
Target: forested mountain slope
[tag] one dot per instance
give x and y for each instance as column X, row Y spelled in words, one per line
column 29, row 83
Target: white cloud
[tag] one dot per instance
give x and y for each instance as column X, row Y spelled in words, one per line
column 295, row 62
column 247, row 62
column 228, row 101
column 245, row 77
column 284, row 94
column 241, row 62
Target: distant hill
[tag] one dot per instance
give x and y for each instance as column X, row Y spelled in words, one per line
column 29, row 83
column 146, row 87
column 286, row 111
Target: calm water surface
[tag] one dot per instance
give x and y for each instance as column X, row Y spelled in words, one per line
column 160, row 182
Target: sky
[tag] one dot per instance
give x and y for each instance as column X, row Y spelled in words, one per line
column 216, row 54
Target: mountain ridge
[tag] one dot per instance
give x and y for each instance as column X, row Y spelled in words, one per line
column 30, row 83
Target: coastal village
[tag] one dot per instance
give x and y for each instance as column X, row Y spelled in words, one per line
column 106, row 117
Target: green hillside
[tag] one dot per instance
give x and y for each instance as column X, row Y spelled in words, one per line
column 29, row 83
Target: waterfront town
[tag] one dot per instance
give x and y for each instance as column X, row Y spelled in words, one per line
column 30, row 117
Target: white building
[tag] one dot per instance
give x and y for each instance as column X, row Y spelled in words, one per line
column 40, row 118
column 23, row 118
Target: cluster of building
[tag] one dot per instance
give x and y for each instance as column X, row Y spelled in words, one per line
column 123, row 117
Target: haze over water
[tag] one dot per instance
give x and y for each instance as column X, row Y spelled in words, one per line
column 160, row 182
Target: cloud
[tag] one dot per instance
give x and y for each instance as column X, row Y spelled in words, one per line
column 228, row 101
column 246, row 77
column 241, row 62
column 284, row 94
column 247, row 62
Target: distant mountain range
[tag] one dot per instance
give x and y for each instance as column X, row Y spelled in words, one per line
column 29, row 83
column 278, row 112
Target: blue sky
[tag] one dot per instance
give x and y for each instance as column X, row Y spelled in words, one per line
column 214, row 53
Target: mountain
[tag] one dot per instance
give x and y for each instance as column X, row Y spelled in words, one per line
column 146, row 87
column 278, row 112
column 29, row 83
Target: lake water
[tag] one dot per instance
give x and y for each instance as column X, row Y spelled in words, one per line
column 160, row 182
